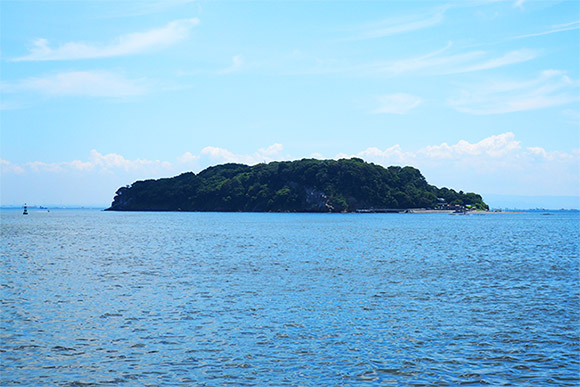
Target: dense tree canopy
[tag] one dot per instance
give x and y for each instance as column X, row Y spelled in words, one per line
column 306, row 185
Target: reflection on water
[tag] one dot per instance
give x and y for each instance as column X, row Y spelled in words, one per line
column 299, row 299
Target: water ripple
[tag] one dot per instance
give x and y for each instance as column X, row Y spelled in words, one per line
column 93, row 298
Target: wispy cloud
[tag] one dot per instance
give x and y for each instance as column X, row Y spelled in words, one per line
column 79, row 83
column 431, row 60
column 442, row 62
column 146, row 7
column 129, row 44
column 237, row 64
column 512, row 57
column 395, row 26
column 398, row 103
column 572, row 116
column 550, row 88
column 5, row 105
column 554, row 29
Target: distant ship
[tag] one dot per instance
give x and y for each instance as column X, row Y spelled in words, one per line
column 25, row 210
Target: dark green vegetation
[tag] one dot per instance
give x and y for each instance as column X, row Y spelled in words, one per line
column 307, row 185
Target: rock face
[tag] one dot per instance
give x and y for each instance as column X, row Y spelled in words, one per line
column 317, row 200
column 306, row 185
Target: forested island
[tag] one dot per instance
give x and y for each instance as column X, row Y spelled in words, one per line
column 307, row 185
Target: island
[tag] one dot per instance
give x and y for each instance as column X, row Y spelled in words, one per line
column 307, row 185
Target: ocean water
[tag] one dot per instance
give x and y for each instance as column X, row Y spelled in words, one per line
column 101, row 298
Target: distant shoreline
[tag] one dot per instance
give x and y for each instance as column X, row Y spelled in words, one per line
column 402, row 211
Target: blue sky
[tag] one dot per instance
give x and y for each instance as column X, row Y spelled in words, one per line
column 481, row 96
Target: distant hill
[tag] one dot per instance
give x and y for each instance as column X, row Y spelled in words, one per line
column 306, row 185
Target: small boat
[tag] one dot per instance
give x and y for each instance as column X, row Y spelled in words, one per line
column 25, row 210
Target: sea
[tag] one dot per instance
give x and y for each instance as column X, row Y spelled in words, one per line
column 92, row 298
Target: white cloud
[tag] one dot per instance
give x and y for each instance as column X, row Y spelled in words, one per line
column 116, row 161
column 443, row 61
column 550, row 88
column 4, row 105
column 431, row 60
column 272, row 150
column 262, row 155
column 494, row 147
column 8, row 167
column 496, row 164
column 96, row 162
column 538, row 151
column 393, row 154
column 129, row 44
column 187, row 158
column 439, row 62
column 499, row 147
column 572, row 116
column 553, row 29
column 39, row 166
column 79, row 83
column 145, row 7
column 512, row 57
column 237, row 64
column 225, row 155
column 341, row 155
column 398, row 103
column 395, row 26
column 541, row 153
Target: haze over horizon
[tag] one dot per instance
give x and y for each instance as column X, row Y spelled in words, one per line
column 481, row 96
